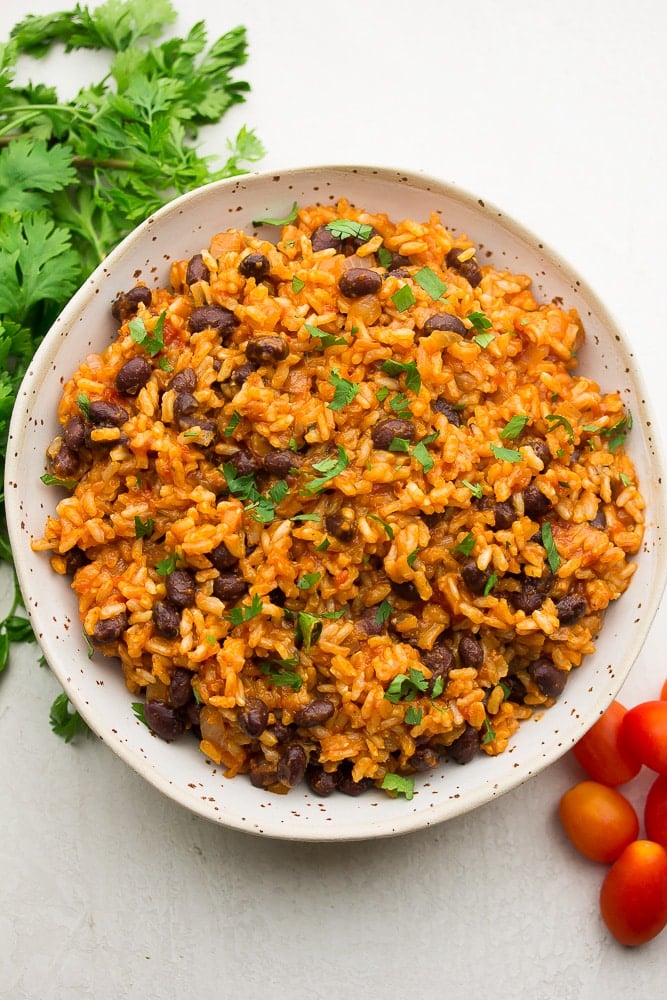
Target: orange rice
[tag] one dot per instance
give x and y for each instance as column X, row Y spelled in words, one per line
column 351, row 539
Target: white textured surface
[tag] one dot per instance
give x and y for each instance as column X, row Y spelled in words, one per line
column 554, row 111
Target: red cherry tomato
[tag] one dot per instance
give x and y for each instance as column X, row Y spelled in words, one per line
column 602, row 751
column 655, row 811
column 633, row 897
column 645, row 733
column 599, row 821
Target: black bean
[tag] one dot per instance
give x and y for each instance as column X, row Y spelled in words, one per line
column 133, row 376
column 571, row 608
column 368, row 623
column 385, row 431
column 465, row 747
column 221, row 557
column 292, row 765
column 315, row 713
column 261, row 775
column 254, row 717
column 74, row 432
column 406, row 591
column 504, row 515
column 267, row 350
column 166, row 619
column 197, row 270
column 126, row 304
column 192, row 713
column 445, row 321
column 471, row 652
column 535, row 503
column 184, row 405
column 452, row 414
column 75, row 558
column 347, row 785
column 359, row 281
column 322, row 782
column 474, row 578
column 184, row 381
column 548, row 678
column 107, row 414
column 517, row 689
column 180, row 688
column 255, row 265
column 245, row 462
column 397, row 261
column 468, row 269
column 212, row 317
column 424, row 759
column 342, row 528
column 439, row 661
column 280, row 462
column 65, row 463
column 239, row 376
column 529, row 598
column 163, row 720
column 541, row 449
column 281, row 733
column 109, row 629
column 323, row 239
column 599, row 521
column 229, row 586
column 181, row 588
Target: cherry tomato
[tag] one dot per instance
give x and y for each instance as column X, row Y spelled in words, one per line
column 602, row 751
column 599, row 821
column 655, row 811
column 633, row 897
column 645, row 732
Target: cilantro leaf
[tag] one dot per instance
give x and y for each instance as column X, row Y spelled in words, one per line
column 514, row 427
column 403, row 298
column 399, row 785
column 153, row 341
column 66, row 722
column 431, row 283
column 344, row 228
column 246, row 612
column 285, row 220
column 308, row 630
column 506, row 454
column 345, row 391
column 408, row 368
column 331, row 467
column 553, row 556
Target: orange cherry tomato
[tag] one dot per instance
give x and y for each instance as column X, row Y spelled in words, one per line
column 599, row 821
column 633, row 897
column 603, row 752
column 645, row 733
column 655, row 811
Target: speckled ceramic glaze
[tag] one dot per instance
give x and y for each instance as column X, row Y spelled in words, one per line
column 96, row 688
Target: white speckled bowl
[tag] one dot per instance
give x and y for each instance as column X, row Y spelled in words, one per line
column 97, row 689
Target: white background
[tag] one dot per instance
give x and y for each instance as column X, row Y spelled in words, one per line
column 555, row 112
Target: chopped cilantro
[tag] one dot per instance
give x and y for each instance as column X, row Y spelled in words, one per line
column 280, row 675
column 331, row 467
column 412, row 557
column 383, row 612
column 279, row 221
column 625, row 479
column 344, row 228
column 325, row 339
column 413, row 715
column 235, row 420
column 399, row 785
column 406, row 687
column 475, row 488
column 399, row 404
column 558, row 420
column 308, row 580
column 408, row 368
column 152, row 342
column 382, row 393
column 49, row 480
column 308, row 630
column 305, row 517
column 553, row 558
column 403, row 298
column 514, row 427
column 245, row 612
column 399, row 444
column 506, row 454
column 167, row 565
column 490, row 584
column 345, row 391
column 139, row 710
column 466, row 546
column 143, row 529
column 297, row 284
column 387, row 527
column 420, row 453
column 83, row 402
column 430, row 282
column 489, row 734
column 483, row 339
column 385, row 256
column 323, row 545
column 479, row 321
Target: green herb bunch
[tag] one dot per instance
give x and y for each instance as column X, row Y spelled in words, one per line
column 77, row 175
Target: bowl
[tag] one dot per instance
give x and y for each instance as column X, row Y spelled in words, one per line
column 97, row 690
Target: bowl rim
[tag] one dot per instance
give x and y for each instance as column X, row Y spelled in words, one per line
column 411, row 820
